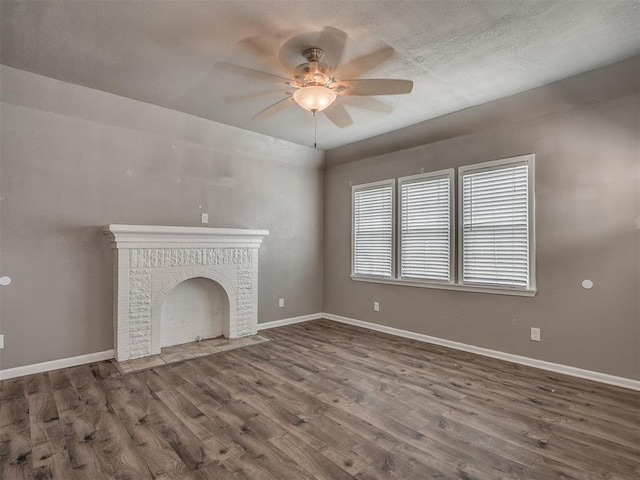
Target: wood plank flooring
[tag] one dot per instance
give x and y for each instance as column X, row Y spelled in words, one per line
column 320, row 401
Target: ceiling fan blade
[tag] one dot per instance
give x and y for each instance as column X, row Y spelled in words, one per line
column 274, row 108
column 364, row 63
column 366, row 103
column 332, row 41
column 373, row 86
column 241, row 97
column 338, row 115
column 329, row 39
column 251, row 73
column 269, row 44
column 260, row 46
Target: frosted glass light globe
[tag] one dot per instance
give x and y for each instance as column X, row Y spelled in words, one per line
column 314, row 98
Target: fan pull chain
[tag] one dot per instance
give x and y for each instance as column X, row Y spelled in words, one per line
column 315, row 130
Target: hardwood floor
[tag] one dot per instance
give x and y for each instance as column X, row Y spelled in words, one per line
column 320, row 401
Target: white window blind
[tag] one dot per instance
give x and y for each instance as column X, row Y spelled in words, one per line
column 425, row 227
column 373, row 230
column 496, row 225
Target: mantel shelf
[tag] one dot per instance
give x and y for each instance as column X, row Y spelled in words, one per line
column 152, row 236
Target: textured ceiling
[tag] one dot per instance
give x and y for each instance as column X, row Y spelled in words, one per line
column 458, row 53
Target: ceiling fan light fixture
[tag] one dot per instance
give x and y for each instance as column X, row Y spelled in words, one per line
column 314, row 98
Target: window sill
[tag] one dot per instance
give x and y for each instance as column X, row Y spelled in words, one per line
column 447, row 286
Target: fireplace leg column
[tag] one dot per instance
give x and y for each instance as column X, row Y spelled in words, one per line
column 121, row 305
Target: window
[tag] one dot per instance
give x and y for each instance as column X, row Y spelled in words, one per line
column 373, row 220
column 426, row 233
column 495, row 229
column 495, row 218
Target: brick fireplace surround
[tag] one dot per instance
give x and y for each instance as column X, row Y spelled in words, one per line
column 149, row 261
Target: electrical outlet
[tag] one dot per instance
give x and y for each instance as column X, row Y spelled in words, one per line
column 1, row 342
column 204, row 218
column 281, row 302
column 376, row 306
column 535, row 334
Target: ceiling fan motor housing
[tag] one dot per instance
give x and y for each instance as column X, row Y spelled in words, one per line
column 313, row 72
column 313, row 54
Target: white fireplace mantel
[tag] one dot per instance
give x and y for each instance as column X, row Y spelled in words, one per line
column 132, row 236
column 150, row 261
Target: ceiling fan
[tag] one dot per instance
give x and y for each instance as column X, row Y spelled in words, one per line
column 317, row 85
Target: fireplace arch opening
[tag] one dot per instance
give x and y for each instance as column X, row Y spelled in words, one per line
column 169, row 280
column 195, row 309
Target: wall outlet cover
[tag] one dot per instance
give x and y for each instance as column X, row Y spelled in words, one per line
column 376, row 306
column 204, row 218
column 535, row 334
column 281, row 302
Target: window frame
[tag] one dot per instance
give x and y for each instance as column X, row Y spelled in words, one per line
column 369, row 186
column 448, row 173
column 529, row 161
column 456, row 253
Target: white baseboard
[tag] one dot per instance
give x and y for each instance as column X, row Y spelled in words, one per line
column 531, row 362
column 289, row 321
column 55, row 364
column 109, row 354
column 509, row 357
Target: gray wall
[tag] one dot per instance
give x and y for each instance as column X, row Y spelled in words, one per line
column 74, row 159
column 585, row 134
